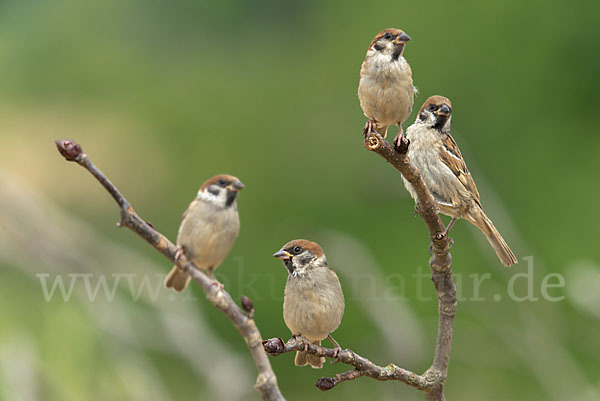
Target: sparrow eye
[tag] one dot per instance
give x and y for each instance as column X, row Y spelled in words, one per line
column 297, row 250
column 431, row 107
column 222, row 181
column 387, row 36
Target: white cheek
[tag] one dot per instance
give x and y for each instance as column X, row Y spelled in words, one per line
column 207, row 197
column 211, row 198
column 321, row 261
column 388, row 48
column 428, row 121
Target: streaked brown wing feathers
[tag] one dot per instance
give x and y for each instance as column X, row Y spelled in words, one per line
column 451, row 156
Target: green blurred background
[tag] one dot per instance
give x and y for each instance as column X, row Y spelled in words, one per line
column 162, row 95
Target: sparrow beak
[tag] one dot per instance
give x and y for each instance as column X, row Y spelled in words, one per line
column 236, row 186
column 401, row 39
column 443, row 111
column 283, row 255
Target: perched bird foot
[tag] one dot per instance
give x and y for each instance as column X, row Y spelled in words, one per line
column 337, row 355
column 369, row 126
column 218, row 284
column 337, row 350
column 215, row 282
column 401, row 142
column 180, row 251
column 302, row 340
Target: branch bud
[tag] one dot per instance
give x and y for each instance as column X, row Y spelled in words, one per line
column 69, row 149
column 325, row 383
column 247, row 304
column 274, row 346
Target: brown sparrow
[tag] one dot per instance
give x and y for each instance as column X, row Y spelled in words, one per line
column 208, row 228
column 433, row 151
column 313, row 303
column 386, row 90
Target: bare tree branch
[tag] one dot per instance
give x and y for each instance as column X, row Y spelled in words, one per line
column 266, row 382
column 440, row 260
column 432, row 381
column 363, row 366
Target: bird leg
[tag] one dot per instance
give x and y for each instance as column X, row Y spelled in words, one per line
column 450, row 225
column 450, row 240
column 336, row 349
column 369, row 126
column 215, row 282
column 303, row 340
column 401, row 142
column 180, row 251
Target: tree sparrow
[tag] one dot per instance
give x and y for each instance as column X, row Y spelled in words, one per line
column 208, row 228
column 313, row 303
column 433, row 151
column 386, row 90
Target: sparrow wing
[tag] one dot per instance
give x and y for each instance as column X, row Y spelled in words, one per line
column 184, row 216
column 185, row 213
column 451, row 157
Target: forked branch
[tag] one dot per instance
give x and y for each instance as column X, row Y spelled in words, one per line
column 362, row 366
column 431, row 382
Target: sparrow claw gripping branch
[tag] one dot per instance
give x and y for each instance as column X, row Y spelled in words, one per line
column 337, row 350
column 401, row 142
column 304, row 342
column 217, row 283
column 369, row 127
column 180, row 251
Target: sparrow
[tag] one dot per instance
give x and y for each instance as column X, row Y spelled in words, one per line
column 435, row 153
column 385, row 89
column 313, row 302
column 208, row 228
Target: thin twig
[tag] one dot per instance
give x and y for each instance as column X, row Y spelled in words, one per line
column 327, row 383
column 266, row 382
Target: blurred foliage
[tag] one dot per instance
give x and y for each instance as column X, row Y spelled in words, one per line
column 163, row 95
